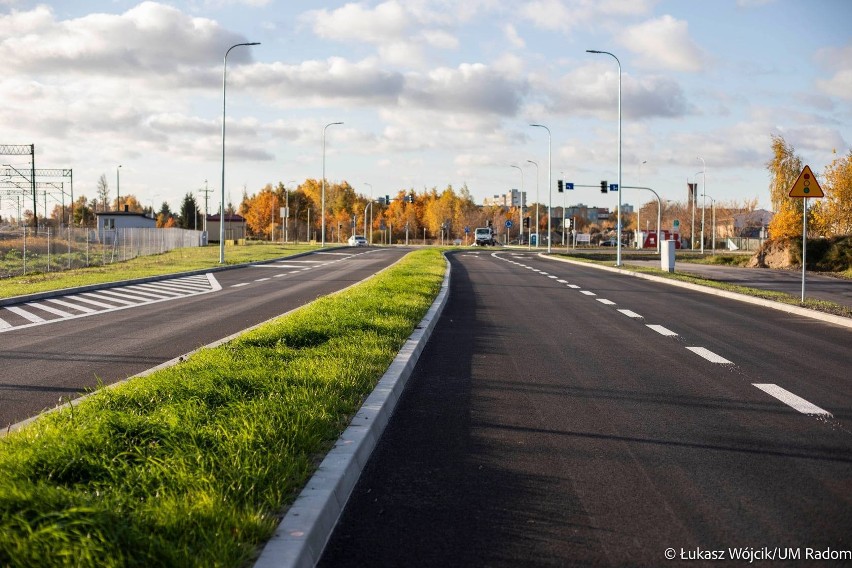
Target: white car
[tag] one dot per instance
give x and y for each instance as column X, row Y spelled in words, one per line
column 357, row 241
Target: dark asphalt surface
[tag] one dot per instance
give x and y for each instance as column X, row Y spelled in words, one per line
column 542, row 427
column 64, row 358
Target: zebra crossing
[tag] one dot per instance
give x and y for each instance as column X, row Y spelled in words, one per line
column 82, row 304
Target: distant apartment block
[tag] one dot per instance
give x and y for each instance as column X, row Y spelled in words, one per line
column 513, row 198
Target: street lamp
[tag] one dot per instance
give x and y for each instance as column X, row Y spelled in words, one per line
column 521, row 201
column 713, row 216
column 118, row 188
column 322, row 231
column 703, row 203
column 618, row 251
column 639, row 209
column 659, row 211
column 369, row 239
column 536, row 206
column 222, row 203
column 549, row 183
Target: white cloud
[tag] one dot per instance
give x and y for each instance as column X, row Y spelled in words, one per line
column 664, row 42
column 474, row 88
column 567, row 15
column 838, row 60
column 512, row 36
column 386, row 22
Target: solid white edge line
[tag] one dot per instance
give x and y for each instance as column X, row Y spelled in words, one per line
column 792, row 400
column 709, row 355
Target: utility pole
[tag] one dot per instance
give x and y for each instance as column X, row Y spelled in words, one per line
column 206, row 193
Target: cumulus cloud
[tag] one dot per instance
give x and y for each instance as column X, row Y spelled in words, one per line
column 474, row 88
column 664, row 43
column 147, row 41
column 838, row 61
column 569, row 14
column 512, row 36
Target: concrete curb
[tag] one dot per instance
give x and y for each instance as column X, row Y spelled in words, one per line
column 106, row 285
column 302, row 535
column 799, row 311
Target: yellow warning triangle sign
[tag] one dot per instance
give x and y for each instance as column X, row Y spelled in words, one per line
column 806, row 185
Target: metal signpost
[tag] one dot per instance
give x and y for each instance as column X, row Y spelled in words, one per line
column 806, row 186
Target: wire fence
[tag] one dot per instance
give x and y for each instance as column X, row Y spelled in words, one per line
column 50, row 250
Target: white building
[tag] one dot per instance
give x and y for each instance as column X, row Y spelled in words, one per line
column 513, row 198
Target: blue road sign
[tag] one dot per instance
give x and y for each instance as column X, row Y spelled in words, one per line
column 613, row 187
column 569, row 185
column 508, row 224
column 467, row 229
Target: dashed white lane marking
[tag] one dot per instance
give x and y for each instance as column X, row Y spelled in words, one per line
column 709, row 355
column 587, row 293
column 562, row 281
column 605, row 301
column 574, row 286
column 630, row 314
column 294, row 272
column 279, row 275
column 662, row 330
column 261, row 279
column 25, row 314
column 276, row 266
column 241, row 284
column 552, row 276
column 791, row 399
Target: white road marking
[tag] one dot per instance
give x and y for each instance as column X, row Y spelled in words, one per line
column 92, row 302
column 70, row 305
column 630, row 314
column 605, row 301
column 261, row 279
column 661, row 330
column 552, row 276
column 241, row 284
column 108, row 298
column 587, row 293
column 4, row 325
column 279, row 275
column 562, row 281
column 50, row 310
column 574, row 286
column 25, row 314
column 791, row 399
column 710, row 356
column 276, row 265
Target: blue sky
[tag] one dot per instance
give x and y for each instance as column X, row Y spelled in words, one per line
column 430, row 93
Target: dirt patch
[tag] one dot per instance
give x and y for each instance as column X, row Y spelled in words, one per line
column 773, row 254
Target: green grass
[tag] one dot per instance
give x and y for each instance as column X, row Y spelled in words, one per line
column 193, row 465
column 179, row 260
column 783, row 297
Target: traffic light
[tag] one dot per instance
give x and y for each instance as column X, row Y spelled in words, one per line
column 410, row 198
column 559, row 186
column 387, row 199
column 526, row 222
column 488, row 223
column 603, row 186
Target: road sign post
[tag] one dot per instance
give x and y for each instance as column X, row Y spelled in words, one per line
column 806, row 186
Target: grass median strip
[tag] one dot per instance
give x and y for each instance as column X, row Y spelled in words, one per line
column 193, row 465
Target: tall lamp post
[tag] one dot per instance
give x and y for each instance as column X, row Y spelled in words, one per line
column 704, row 202
column 118, row 188
column 521, row 201
column 369, row 239
column 618, row 251
column 222, row 203
column 549, row 182
column 536, row 206
column 713, row 217
column 322, row 220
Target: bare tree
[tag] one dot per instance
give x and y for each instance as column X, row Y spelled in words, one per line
column 103, row 191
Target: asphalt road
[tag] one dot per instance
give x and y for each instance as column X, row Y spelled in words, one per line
column 544, row 427
column 109, row 335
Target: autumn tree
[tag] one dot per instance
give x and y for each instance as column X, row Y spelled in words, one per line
column 833, row 214
column 784, row 168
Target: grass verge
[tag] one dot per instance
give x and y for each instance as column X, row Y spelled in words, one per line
column 782, row 297
column 179, row 260
column 192, row 465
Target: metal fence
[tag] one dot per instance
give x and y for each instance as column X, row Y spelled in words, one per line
column 752, row 244
column 22, row 251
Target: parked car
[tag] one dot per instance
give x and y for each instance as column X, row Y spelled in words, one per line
column 357, row 241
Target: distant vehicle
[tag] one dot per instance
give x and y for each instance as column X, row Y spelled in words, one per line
column 357, row 241
column 484, row 236
column 609, row 243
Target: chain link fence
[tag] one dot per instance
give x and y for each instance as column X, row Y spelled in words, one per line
column 50, row 250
